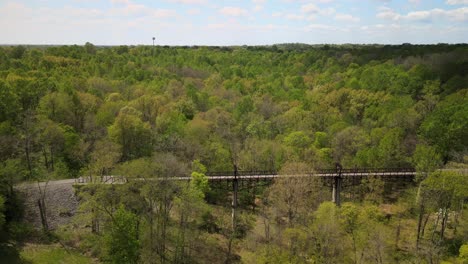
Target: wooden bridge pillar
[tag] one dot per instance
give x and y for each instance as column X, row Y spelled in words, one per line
column 336, row 190
column 336, row 185
column 235, row 189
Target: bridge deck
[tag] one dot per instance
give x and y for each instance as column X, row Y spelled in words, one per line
column 270, row 176
column 259, row 175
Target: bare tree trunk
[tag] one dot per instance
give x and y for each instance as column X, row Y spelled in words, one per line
column 435, row 226
column 42, row 211
column 94, row 222
column 425, row 223
column 42, row 205
column 228, row 257
column 151, row 222
column 179, row 256
column 46, row 161
column 458, row 213
column 51, row 158
column 28, row 158
column 398, row 231
column 266, row 223
column 421, row 215
column 354, row 247
column 28, row 118
column 444, row 223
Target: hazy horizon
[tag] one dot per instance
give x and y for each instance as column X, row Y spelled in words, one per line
column 237, row 45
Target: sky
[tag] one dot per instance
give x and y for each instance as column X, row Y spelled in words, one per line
column 233, row 22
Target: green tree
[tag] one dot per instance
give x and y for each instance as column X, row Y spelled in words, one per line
column 297, row 139
column 463, row 257
column 199, row 180
column 329, row 233
column 447, row 126
column 9, row 106
column 2, row 213
column 104, row 157
column 121, row 240
column 90, row 48
column 425, row 160
column 321, row 140
column 390, row 149
column 132, row 134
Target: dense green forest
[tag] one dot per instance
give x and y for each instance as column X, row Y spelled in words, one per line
column 145, row 112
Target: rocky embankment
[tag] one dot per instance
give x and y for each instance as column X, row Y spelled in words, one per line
column 60, row 200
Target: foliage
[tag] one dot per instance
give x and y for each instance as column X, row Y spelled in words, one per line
column 2, row 213
column 52, row 254
column 425, row 160
column 147, row 113
column 121, row 240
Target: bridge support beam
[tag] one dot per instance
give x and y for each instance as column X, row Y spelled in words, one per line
column 336, row 185
column 336, row 191
column 235, row 190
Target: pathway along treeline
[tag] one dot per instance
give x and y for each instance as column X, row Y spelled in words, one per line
column 67, row 111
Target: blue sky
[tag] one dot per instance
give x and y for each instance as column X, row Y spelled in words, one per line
column 235, row 22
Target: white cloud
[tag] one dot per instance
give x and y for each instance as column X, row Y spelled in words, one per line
column 327, row 11
column 323, row 27
column 187, row 2
column 258, row 8
column 130, row 9
column 217, row 26
column 242, row 27
column 383, row 28
column 194, row 11
column 414, row 1
column 258, row 5
column 127, row 8
column 163, row 13
column 277, row 14
column 419, row 15
column 347, row 18
column 233, row 11
column 310, row 1
column 457, row 2
column 387, row 13
column 459, row 14
column 125, row 2
column 310, row 8
column 294, row 17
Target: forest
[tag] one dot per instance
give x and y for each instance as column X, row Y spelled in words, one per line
column 156, row 112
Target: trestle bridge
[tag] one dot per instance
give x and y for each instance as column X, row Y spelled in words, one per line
column 337, row 178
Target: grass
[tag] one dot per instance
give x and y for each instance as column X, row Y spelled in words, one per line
column 52, row 254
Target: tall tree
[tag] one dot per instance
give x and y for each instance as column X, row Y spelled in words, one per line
column 132, row 134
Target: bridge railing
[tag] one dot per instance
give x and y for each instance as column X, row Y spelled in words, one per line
column 107, row 179
column 229, row 175
column 314, row 172
column 241, row 173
